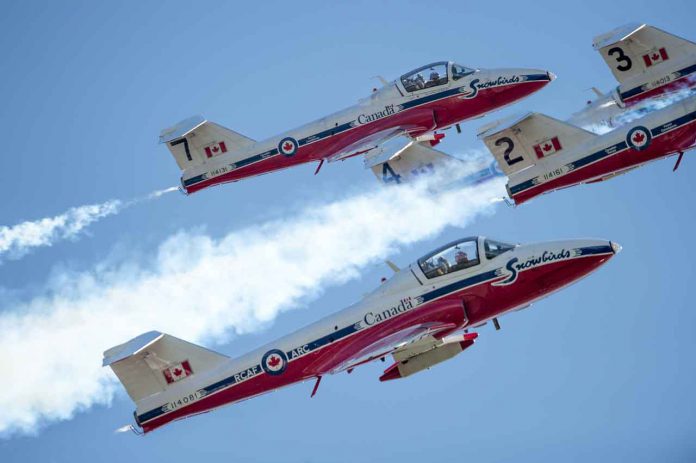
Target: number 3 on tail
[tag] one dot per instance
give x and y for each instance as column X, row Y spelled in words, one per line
column 388, row 174
column 510, row 146
column 624, row 61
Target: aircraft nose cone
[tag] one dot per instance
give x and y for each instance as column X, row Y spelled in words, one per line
column 616, row 247
column 551, row 75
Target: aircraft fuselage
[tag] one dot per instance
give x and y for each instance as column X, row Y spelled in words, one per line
column 388, row 112
column 409, row 304
column 659, row 134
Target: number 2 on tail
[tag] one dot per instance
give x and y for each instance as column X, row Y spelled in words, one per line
column 508, row 150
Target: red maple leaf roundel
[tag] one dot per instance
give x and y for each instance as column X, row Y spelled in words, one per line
column 639, row 137
column 287, row 146
column 273, row 361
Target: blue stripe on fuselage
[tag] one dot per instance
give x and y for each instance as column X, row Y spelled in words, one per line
column 458, row 285
column 594, row 250
column 638, row 90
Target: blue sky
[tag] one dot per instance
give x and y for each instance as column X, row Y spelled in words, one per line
column 601, row 371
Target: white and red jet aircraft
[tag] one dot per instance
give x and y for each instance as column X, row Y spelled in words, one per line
column 430, row 98
column 647, row 62
column 419, row 317
column 540, row 154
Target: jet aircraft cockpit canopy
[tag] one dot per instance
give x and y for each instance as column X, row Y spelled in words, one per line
column 459, row 71
column 451, row 258
column 433, row 75
column 460, row 255
column 496, row 248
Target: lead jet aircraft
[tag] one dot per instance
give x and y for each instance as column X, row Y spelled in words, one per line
column 540, row 154
column 419, row 103
column 421, row 316
column 647, row 62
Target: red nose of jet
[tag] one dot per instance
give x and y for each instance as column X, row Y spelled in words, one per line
column 587, row 256
column 547, row 267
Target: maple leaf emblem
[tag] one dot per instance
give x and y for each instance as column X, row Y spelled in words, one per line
column 216, row 149
column 177, row 371
column 273, row 361
column 547, row 147
column 655, row 57
column 638, row 137
column 287, row 146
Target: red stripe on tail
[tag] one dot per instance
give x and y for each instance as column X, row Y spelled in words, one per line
column 663, row 53
column 556, row 143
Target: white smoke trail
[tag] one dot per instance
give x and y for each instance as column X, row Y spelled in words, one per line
column 18, row 240
column 204, row 290
column 158, row 193
column 608, row 116
column 650, row 106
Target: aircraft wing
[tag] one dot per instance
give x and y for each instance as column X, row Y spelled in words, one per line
column 417, row 124
column 403, row 343
column 366, row 144
column 413, row 335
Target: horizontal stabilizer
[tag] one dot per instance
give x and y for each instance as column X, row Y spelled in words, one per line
column 130, row 348
column 617, row 35
column 153, row 361
column 181, row 129
column 520, row 142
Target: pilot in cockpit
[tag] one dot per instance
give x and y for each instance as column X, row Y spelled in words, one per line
column 443, row 267
column 461, row 258
column 434, row 79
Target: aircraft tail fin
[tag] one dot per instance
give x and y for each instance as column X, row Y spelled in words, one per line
column 195, row 140
column 412, row 161
column 521, row 142
column 634, row 49
column 150, row 363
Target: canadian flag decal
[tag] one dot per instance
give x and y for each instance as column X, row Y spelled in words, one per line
column 215, row 149
column 177, row 372
column 546, row 147
column 655, row 56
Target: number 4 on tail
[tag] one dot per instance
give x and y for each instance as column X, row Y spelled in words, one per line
column 388, row 174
